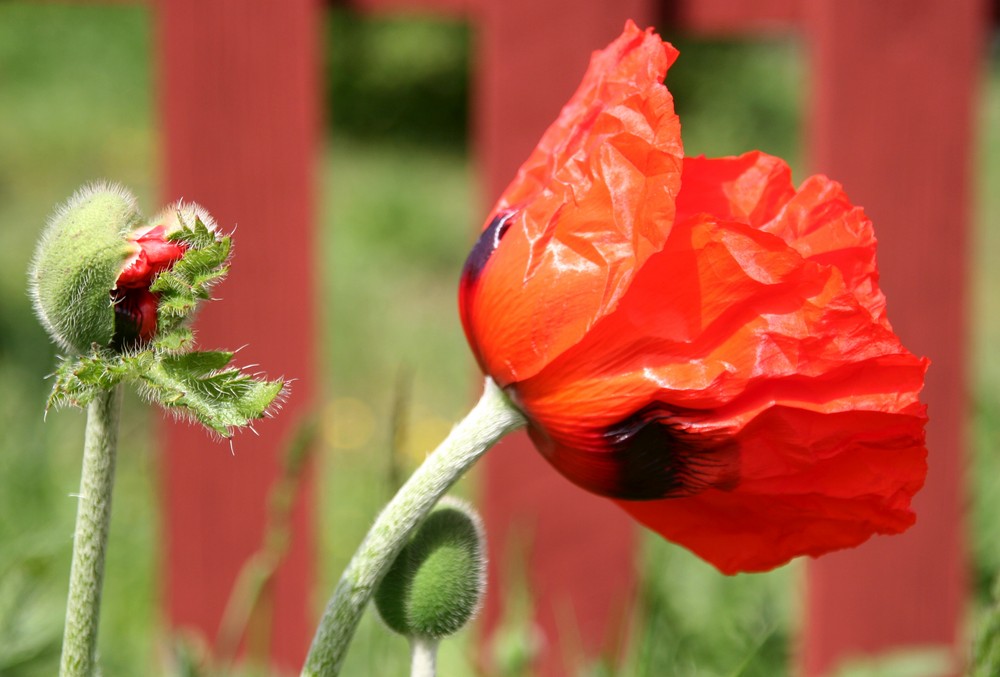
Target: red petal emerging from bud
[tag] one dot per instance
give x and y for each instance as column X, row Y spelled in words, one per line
column 155, row 254
column 135, row 305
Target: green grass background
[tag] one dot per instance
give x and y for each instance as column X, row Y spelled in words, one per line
column 399, row 204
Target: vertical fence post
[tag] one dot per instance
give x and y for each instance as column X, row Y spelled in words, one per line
column 891, row 119
column 575, row 551
column 239, row 100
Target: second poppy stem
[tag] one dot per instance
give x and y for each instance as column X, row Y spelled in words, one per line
column 492, row 418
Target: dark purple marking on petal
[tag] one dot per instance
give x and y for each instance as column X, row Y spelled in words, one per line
column 648, row 456
column 488, row 241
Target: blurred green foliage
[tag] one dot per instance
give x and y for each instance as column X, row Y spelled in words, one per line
column 984, row 370
column 399, row 78
column 399, row 205
column 733, row 96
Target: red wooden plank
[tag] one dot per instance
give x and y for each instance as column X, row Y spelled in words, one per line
column 239, row 95
column 450, row 8
column 575, row 550
column 700, row 16
column 891, row 118
column 733, row 17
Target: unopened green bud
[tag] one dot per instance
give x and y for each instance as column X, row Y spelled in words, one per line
column 78, row 259
column 437, row 582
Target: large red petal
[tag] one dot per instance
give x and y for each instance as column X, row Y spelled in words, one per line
column 751, row 188
column 725, row 316
column 591, row 204
column 810, row 483
column 818, row 220
column 771, row 379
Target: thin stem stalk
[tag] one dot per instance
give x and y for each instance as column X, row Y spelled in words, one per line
column 83, row 608
column 423, row 657
column 493, row 417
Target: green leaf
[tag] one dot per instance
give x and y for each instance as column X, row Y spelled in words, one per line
column 191, row 278
column 177, row 306
column 165, row 283
column 78, row 380
column 986, row 649
column 198, row 237
column 201, row 362
column 173, row 340
column 197, row 384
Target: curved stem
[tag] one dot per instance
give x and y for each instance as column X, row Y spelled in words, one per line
column 492, row 418
column 90, row 539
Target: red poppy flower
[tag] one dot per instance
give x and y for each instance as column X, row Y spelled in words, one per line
column 695, row 338
column 135, row 305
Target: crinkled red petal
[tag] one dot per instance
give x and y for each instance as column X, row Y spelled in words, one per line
column 810, row 483
column 156, row 254
column 818, row 220
column 591, row 204
column 723, row 329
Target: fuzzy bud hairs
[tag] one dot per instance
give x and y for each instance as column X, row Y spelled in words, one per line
column 77, row 261
column 437, row 582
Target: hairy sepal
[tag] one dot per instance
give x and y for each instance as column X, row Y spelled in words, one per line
column 189, row 281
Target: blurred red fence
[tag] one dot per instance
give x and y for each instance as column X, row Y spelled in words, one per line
column 893, row 84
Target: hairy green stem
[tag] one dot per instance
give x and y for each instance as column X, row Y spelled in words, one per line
column 83, row 608
column 492, row 418
column 423, row 657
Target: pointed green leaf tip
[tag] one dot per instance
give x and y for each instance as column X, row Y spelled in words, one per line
column 196, row 385
column 199, row 385
column 76, row 264
column 437, row 582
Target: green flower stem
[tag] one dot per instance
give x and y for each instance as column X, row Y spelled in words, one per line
column 91, row 537
column 493, row 417
column 423, row 652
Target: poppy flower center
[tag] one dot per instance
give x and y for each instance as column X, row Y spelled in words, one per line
column 135, row 306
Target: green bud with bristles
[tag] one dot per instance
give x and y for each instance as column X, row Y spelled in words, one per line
column 436, row 584
column 77, row 262
column 117, row 294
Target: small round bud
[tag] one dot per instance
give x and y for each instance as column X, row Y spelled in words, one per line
column 77, row 262
column 437, row 582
